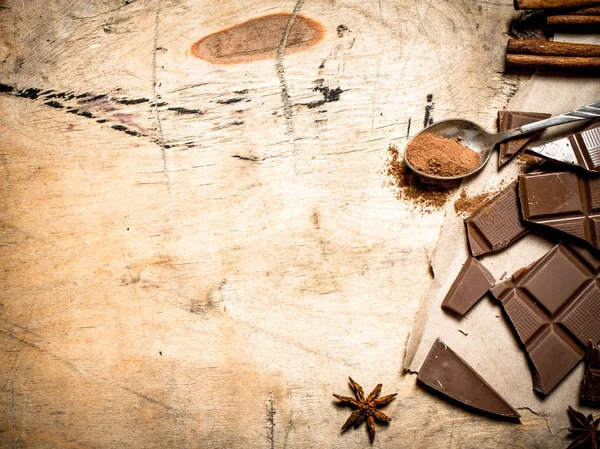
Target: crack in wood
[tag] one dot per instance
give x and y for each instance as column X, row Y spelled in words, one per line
column 271, row 420
column 288, row 110
column 161, row 137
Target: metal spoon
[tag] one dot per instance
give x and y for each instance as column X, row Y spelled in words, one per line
column 477, row 139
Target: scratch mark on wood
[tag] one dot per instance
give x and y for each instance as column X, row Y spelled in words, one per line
column 72, row 368
column 271, row 420
column 126, row 130
column 287, row 340
column 96, row 98
column 246, row 158
column 126, row 101
column 11, row 413
column 22, row 328
column 375, row 89
column 288, row 429
column 26, row 410
column 125, row 3
column 104, row 104
column 184, row 111
column 187, row 87
column 288, row 111
column 161, row 137
column 147, row 398
column 41, row 350
column 230, row 101
column 63, row 95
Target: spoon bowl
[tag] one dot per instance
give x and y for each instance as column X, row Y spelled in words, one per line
column 479, row 140
column 469, row 134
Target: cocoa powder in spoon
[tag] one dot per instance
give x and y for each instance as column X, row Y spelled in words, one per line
column 425, row 195
column 435, row 155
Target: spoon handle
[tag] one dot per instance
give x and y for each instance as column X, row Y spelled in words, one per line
column 591, row 111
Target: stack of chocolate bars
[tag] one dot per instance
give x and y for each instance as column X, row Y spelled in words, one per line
column 553, row 304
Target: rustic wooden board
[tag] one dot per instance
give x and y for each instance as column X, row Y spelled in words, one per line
column 198, row 255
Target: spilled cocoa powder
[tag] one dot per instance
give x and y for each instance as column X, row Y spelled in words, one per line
column 465, row 205
column 425, row 195
column 439, row 156
column 528, row 161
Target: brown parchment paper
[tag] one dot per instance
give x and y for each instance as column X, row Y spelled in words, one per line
column 484, row 337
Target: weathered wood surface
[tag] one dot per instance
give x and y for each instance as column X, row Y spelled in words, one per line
column 198, row 255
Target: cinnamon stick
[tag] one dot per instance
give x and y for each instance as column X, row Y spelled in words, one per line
column 554, row 4
column 550, row 48
column 591, row 11
column 553, row 62
column 582, row 21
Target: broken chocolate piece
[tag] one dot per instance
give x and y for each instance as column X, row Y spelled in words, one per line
column 564, row 201
column 473, row 281
column 496, row 223
column 515, row 119
column 444, row 371
column 554, row 306
column 581, row 149
column 590, row 388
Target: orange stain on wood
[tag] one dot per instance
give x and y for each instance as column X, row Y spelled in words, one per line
column 258, row 39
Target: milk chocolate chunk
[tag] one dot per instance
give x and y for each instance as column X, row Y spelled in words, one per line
column 565, row 201
column 444, row 371
column 581, row 149
column 496, row 224
column 590, row 388
column 515, row 119
column 473, row 281
column 554, row 307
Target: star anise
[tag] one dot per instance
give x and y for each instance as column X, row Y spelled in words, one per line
column 366, row 409
column 584, row 431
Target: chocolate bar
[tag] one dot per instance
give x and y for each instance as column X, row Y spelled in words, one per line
column 515, row 119
column 554, row 307
column 590, row 388
column 496, row 223
column 580, row 149
column 564, row 201
column 444, row 371
column 473, row 281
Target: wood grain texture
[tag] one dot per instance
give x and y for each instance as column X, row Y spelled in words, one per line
column 198, row 255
